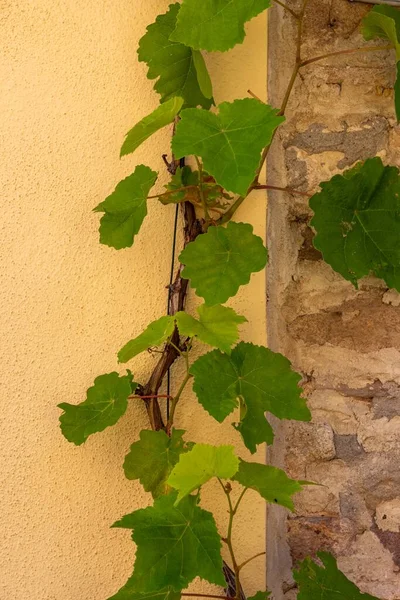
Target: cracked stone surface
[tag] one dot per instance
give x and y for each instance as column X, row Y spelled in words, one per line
column 346, row 341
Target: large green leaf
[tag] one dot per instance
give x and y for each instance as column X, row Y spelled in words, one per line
column 357, row 220
column 259, row 379
column 200, row 465
column 203, row 75
column 155, row 334
column 179, row 70
column 326, row 582
column 221, row 260
column 159, row 118
column 153, row 457
column 105, row 403
column 217, row 326
column 175, row 544
column 230, row 142
column 128, row 592
column 271, row 483
column 383, row 22
column 126, row 208
column 215, row 25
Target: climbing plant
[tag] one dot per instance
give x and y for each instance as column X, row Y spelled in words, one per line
column 357, row 225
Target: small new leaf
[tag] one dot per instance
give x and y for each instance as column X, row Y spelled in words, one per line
column 271, row 483
column 105, row 403
column 217, row 326
column 155, row 334
column 230, row 142
column 175, row 544
column 326, row 582
column 126, row 208
column 214, row 195
column 152, row 459
column 357, row 220
column 260, row 379
column 200, row 465
column 179, row 70
column 183, row 177
column 223, row 259
column 159, row 118
column 215, row 25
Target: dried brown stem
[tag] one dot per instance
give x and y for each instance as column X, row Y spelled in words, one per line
column 192, row 228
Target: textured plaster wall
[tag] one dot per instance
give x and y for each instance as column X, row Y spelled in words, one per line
column 345, row 341
column 71, row 89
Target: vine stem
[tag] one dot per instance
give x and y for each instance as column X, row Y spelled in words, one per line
column 286, row 7
column 207, row 596
column 232, row 512
column 309, row 61
column 289, row 190
column 231, row 211
column 151, row 397
column 249, row 560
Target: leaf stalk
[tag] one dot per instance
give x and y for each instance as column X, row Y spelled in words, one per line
column 176, row 398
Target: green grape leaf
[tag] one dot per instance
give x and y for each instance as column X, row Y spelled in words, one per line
column 271, row 483
column 126, row 208
column 152, row 459
column 155, row 334
column 215, row 382
column 160, row 117
column 217, row 326
column 230, row 142
column 105, row 403
column 215, row 25
column 325, row 582
column 128, row 592
column 383, row 22
column 257, row 596
column 263, row 381
column 174, row 545
column 397, row 92
column 203, row 75
column 221, row 260
column 357, row 220
column 200, row 465
column 179, row 70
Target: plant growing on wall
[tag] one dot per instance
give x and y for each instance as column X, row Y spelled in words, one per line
column 356, row 220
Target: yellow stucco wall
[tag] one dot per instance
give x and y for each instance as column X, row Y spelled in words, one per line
column 72, row 89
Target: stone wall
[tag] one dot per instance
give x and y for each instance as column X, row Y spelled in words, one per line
column 345, row 341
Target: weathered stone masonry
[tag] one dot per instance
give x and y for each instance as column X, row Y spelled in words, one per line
column 345, row 341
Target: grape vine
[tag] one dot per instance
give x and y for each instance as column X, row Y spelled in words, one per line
column 356, row 221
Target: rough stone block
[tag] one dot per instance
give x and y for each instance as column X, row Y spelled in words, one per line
column 328, row 406
column 380, row 435
column 387, row 516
